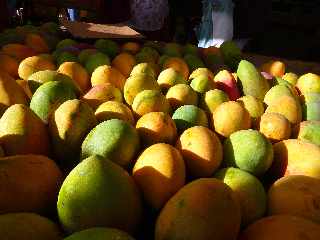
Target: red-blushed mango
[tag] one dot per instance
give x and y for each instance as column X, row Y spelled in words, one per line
column 308, row 83
column 100, row 233
column 248, row 150
column 113, row 109
column 275, row 68
column 248, row 190
column 156, row 127
column 296, row 195
column 281, row 227
column 225, row 81
column 202, row 151
column 203, row 209
column 107, row 197
column 10, row 92
column 170, row 77
column 37, row 43
column 102, row 93
column 131, row 47
column 230, row 117
column 68, row 126
column 212, row 99
column 159, row 172
column 137, row 83
column 295, row 157
column 115, row 140
column 34, row 64
column 150, row 101
column 9, row 65
column 28, row 226
column 287, row 106
column 177, row 64
column 23, row 132
column 181, row 94
column 108, row 74
column 30, row 184
column 18, row 51
column 25, row 87
column 77, row 73
column 275, row 127
column 124, row 62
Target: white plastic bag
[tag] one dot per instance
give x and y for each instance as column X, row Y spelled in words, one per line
column 217, row 23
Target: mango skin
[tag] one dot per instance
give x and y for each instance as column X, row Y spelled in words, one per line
column 23, row 132
column 248, row 150
column 212, row 99
column 34, row 64
column 49, row 96
column 159, row 172
column 249, row 191
column 308, row 83
column 108, row 197
column 281, row 227
column 28, row 226
column 295, row 157
column 295, row 195
column 186, row 215
column 150, row 101
column 251, row 80
column 230, row 117
column 68, row 127
column 202, row 151
column 100, row 233
column 309, row 131
column 181, row 94
column 114, row 139
column 10, row 93
column 33, row 191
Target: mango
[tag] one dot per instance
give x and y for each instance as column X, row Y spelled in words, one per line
column 108, row 74
column 280, row 227
column 291, row 78
column 160, row 173
column 77, row 73
column 202, row 151
column 28, row 226
column 95, row 60
column 275, row 68
column 114, row 139
column 225, row 81
column 186, row 215
column 23, row 132
column 249, row 192
column 106, row 197
column 49, row 96
column 131, row 47
column 308, row 83
column 156, row 127
column 150, row 101
column 295, row 195
column 36, row 42
column 68, row 126
column 231, row 54
column 181, row 94
column 177, row 64
column 230, row 117
column 275, row 127
column 10, row 92
column 193, row 61
column 100, row 233
column 251, row 81
column 170, row 77
column 254, row 106
column 202, row 84
column 102, row 93
column 107, row 47
column 309, row 131
column 188, row 116
column 137, row 83
column 124, row 62
column 18, row 51
column 212, row 99
column 33, row 191
column 9, row 65
column 144, row 68
column 113, row 109
column 248, row 150
column 34, row 64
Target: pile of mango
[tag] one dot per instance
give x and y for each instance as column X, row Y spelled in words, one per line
column 148, row 140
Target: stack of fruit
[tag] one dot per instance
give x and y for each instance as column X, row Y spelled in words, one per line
column 154, row 141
